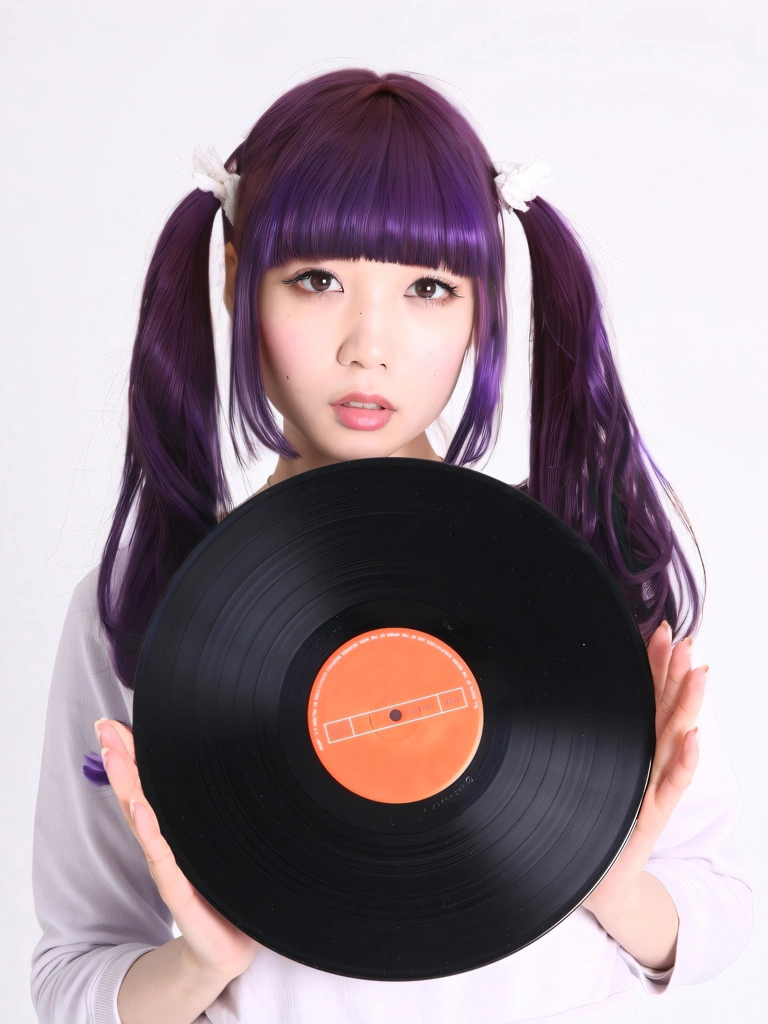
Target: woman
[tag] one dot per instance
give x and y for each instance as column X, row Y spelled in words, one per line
column 363, row 222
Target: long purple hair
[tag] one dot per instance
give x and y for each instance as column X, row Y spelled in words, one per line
column 355, row 164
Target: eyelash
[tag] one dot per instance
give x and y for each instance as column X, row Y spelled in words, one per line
column 452, row 289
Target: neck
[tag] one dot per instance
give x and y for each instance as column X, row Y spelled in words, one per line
column 419, row 448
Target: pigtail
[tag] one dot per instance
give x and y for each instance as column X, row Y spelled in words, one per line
column 588, row 463
column 173, row 469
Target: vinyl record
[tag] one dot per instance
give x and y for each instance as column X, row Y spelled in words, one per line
column 395, row 719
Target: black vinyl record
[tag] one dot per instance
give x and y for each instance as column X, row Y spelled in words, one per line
column 395, row 719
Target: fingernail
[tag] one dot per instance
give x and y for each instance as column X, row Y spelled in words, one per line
column 96, row 725
column 667, row 626
column 104, row 752
column 688, row 640
column 139, row 813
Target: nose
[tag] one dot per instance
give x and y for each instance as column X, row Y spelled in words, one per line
column 369, row 334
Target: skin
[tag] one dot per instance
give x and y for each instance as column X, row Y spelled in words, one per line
column 372, row 330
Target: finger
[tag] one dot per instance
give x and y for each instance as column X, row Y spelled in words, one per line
column 689, row 702
column 172, row 885
column 678, row 667
column 159, row 854
column 681, row 721
column 126, row 784
column 115, row 736
column 124, row 779
column 175, row 889
column 659, row 652
column 677, row 780
column 126, row 735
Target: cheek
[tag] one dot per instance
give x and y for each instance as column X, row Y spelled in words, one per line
column 288, row 349
column 437, row 358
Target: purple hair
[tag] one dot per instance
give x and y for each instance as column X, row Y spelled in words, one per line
column 354, row 164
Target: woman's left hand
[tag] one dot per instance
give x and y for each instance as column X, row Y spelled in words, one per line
column 679, row 695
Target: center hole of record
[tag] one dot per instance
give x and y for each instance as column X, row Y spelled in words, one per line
column 395, row 715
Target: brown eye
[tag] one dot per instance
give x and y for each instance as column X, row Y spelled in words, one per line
column 317, row 282
column 426, row 288
column 320, row 282
column 432, row 290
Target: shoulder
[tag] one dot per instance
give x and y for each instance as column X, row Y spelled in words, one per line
column 85, row 594
column 83, row 632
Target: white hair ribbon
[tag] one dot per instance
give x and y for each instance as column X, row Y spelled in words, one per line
column 518, row 183
column 212, row 176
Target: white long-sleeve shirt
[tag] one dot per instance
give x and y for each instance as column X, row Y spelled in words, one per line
column 99, row 908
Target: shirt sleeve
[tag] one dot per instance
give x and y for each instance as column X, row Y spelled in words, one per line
column 95, row 900
column 696, row 861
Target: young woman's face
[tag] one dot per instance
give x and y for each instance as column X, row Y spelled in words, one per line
column 335, row 327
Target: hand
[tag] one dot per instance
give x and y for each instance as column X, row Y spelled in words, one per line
column 679, row 693
column 214, row 943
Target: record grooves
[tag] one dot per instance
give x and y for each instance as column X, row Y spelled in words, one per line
column 395, row 719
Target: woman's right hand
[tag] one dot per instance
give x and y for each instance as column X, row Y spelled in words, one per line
column 213, row 942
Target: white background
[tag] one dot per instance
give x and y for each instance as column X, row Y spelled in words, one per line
column 652, row 118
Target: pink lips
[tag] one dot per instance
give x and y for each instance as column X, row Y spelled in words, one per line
column 363, row 419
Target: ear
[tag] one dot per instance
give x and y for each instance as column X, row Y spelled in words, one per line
column 230, row 264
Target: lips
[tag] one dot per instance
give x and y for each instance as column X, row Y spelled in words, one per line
column 360, row 396
column 363, row 419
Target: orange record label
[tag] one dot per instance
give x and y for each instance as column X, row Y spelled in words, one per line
column 395, row 715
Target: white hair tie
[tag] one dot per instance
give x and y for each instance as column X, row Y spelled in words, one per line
column 518, row 183
column 212, row 176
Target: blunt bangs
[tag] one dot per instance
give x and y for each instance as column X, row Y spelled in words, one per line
column 379, row 187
